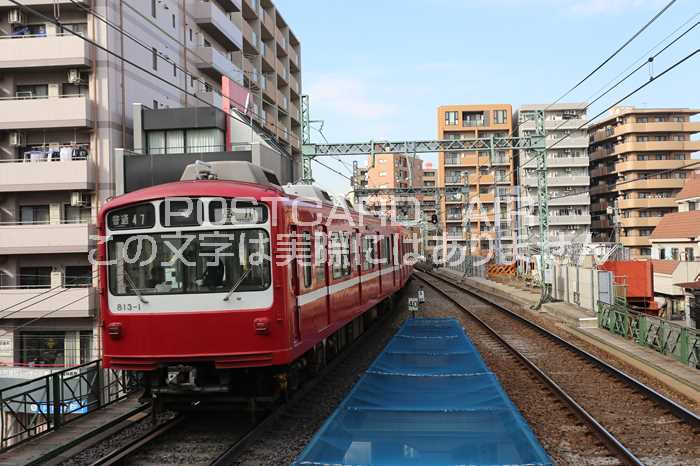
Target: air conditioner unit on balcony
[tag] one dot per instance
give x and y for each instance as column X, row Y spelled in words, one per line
column 15, row 16
column 74, row 76
column 16, row 138
column 79, row 199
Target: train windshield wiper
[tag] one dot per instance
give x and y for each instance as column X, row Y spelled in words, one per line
column 136, row 291
column 237, row 284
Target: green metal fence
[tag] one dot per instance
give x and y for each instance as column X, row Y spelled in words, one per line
column 666, row 337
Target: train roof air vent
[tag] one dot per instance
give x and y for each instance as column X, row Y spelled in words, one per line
column 230, row 171
column 308, row 191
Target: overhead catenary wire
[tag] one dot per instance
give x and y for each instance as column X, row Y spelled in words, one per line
column 137, row 66
column 616, row 52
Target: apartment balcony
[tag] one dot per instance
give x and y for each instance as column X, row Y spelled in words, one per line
column 673, row 183
column 554, row 125
column 268, row 23
column 208, row 98
column 453, row 200
column 472, row 160
column 632, row 241
column 452, row 218
column 269, row 123
column 268, row 55
column 454, row 180
column 566, row 199
column 44, row 52
column 250, row 9
column 648, row 203
column 294, row 84
column 642, row 165
column 294, row 112
column 600, row 206
column 214, row 21
column 483, row 179
column 269, row 88
column 557, row 181
column 653, row 127
column 486, row 198
column 282, row 72
column 293, row 56
column 46, row 238
column 555, row 220
column 658, row 146
column 215, row 64
column 281, row 40
column 250, row 39
column 41, row 303
column 573, row 142
column 282, row 101
column 67, row 111
column 455, row 235
column 601, row 189
column 600, row 154
column 602, row 170
column 71, row 175
column 230, row 6
column 639, row 222
column 556, row 162
column 601, row 224
column 283, row 134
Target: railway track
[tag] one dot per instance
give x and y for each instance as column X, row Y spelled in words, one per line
column 223, row 439
column 635, row 423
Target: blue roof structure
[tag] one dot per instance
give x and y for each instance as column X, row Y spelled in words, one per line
column 428, row 399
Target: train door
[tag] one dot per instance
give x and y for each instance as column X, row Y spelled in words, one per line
column 294, row 269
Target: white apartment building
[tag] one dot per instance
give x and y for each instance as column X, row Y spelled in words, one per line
column 567, row 175
column 65, row 106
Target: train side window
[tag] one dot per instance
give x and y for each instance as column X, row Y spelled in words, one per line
column 320, row 256
column 368, row 251
column 347, row 254
column 336, row 254
column 307, row 264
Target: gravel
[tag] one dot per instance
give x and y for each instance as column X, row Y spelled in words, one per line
column 655, row 435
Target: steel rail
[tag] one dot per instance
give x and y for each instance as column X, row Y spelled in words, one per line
column 606, row 436
column 667, row 403
column 232, row 453
column 119, row 454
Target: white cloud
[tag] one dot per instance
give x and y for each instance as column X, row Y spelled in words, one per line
column 354, row 97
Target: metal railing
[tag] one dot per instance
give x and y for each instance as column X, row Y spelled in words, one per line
column 681, row 343
column 40, row 405
column 29, row 96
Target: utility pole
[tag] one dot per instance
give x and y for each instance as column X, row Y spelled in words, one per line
column 306, row 172
column 540, row 148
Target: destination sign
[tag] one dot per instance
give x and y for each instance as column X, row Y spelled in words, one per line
column 132, row 218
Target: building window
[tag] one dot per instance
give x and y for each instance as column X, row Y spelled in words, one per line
column 34, row 277
column 76, row 214
column 34, row 215
column 500, row 116
column 153, row 8
column 662, row 253
column 55, row 348
column 155, row 59
column 674, row 254
column 450, row 118
column 78, row 276
column 689, row 254
column 155, row 104
column 174, row 69
column 190, row 34
column 173, row 20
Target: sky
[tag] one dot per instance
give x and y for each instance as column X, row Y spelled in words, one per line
column 378, row 69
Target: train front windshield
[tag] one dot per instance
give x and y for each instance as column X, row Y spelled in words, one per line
column 189, row 262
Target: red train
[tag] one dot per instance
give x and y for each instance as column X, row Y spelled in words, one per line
column 201, row 291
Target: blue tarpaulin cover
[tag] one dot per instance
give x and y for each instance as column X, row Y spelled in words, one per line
column 428, row 399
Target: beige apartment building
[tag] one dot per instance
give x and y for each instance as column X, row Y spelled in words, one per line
column 630, row 154
column 487, row 179
column 65, row 106
column 392, row 171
